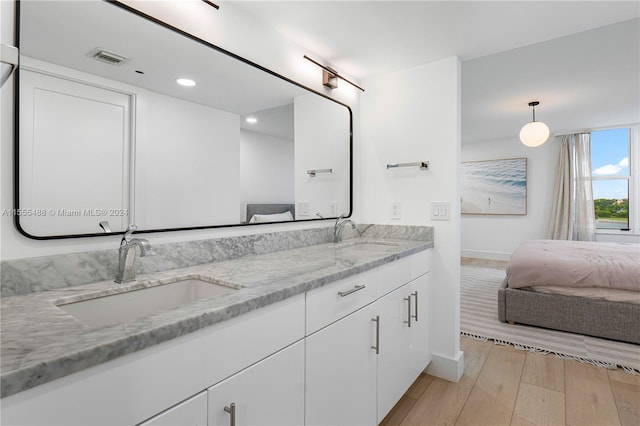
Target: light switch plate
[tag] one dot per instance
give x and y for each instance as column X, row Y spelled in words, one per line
column 440, row 210
column 395, row 212
column 334, row 209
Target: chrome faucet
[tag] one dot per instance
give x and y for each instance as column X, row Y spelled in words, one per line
column 337, row 228
column 126, row 256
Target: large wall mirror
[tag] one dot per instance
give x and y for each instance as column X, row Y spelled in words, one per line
column 107, row 135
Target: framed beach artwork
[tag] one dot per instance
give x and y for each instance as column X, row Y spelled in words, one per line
column 494, row 187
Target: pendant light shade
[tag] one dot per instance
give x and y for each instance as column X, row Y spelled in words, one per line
column 534, row 133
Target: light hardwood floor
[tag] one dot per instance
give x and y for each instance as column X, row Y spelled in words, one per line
column 504, row 386
column 483, row 263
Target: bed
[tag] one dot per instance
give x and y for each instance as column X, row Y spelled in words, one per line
column 265, row 213
column 588, row 288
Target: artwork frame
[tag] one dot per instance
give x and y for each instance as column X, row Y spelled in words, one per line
column 494, row 187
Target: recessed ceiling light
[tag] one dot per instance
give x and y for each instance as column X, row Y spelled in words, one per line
column 251, row 120
column 185, row 82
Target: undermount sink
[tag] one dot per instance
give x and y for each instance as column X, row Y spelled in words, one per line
column 365, row 246
column 134, row 303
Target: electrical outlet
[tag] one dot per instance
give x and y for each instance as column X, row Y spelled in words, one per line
column 395, row 210
column 303, row 209
column 334, row 209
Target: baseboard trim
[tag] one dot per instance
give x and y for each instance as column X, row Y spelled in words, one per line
column 450, row 369
column 481, row 254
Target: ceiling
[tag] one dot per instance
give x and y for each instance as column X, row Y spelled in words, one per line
column 584, row 81
column 366, row 38
column 513, row 52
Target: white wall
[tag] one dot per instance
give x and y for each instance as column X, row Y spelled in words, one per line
column 229, row 28
column 266, row 170
column 187, row 166
column 496, row 236
column 407, row 116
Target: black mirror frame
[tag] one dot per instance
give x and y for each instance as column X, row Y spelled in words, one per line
column 16, row 145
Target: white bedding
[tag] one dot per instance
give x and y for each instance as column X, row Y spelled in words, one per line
column 577, row 264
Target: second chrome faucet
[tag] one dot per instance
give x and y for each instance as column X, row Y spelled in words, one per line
column 339, row 225
column 126, row 256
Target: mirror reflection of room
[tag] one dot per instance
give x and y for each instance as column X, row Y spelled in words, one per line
column 185, row 136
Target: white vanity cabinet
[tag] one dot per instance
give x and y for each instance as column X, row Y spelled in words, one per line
column 404, row 346
column 192, row 412
column 361, row 363
column 340, row 387
column 270, row 392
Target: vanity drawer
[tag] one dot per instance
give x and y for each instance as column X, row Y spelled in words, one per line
column 337, row 300
column 400, row 272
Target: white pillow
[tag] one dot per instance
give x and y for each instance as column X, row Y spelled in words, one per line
column 277, row 217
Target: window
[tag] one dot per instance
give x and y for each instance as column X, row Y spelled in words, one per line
column 611, row 178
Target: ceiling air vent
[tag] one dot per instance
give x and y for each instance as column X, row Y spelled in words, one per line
column 107, row 57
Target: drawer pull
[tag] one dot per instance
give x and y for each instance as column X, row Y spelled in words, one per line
column 231, row 409
column 353, row 290
column 377, row 346
column 415, row 294
column 409, row 316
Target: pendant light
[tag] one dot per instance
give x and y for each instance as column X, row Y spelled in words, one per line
column 534, row 133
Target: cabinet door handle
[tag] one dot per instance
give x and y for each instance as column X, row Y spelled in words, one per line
column 353, row 290
column 377, row 346
column 409, row 316
column 231, row 409
column 415, row 294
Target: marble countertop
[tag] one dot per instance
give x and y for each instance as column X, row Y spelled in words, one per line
column 41, row 342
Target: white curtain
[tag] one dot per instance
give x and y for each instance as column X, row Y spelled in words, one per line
column 573, row 216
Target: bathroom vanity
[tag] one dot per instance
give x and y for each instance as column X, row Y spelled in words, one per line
column 322, row 334
column 284, row 328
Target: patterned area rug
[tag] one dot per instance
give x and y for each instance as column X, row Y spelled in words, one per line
column 479, row 319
